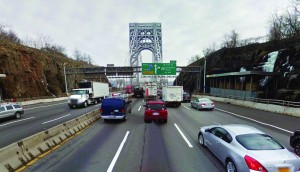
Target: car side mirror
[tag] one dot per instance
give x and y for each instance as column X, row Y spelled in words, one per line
column 208, row 130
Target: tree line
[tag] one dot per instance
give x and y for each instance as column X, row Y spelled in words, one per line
column 42, row 43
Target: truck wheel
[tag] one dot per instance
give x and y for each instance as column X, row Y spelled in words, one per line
column 95, row 102
column 85, row 104
column 297, row 148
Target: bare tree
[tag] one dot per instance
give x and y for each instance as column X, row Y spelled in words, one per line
column 212, row 48
column 193, row 59
column 231, row 40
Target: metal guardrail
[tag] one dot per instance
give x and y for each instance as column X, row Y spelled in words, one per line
column 259, row 100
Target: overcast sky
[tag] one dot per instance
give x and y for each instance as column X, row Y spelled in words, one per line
column 100, row 28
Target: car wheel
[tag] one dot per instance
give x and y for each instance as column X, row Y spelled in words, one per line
column 297, row 148
column 17, row 115
column 105, row 120
column 125, row 118
column 198, row 107
column 230, row 166
column 201, row 139
column 165, row 120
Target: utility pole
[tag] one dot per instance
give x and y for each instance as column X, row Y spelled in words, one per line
column 204, row 73
column 66, row 85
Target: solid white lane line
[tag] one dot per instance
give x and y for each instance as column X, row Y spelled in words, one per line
column 186, row 140
column 186, row 107
column 44, row 106
column 255, row 121
column 113, row 162
column 56, row 119
column 139, row 108
column 16, row 121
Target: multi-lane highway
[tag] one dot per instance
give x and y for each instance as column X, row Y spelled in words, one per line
column 38, row 117
column 136, row 146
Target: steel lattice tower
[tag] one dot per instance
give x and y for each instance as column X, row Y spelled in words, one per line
column 145, row 36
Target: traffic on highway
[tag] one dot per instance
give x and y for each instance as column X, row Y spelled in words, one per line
column 138, row 145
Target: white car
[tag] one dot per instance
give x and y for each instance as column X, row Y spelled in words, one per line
column 244, row 148
column 203, row 103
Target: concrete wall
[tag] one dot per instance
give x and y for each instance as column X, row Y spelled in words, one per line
column 261, row 106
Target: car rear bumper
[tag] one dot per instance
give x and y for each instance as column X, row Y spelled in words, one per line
column 155, row 117
column 113, row 116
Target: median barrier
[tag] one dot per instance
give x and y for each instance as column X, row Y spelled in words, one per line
column 18, row 154
column 12, row 157
column 35, row 145
column 56, row 134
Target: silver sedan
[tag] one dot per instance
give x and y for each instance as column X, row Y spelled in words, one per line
column 203, row 103
column 244, row 148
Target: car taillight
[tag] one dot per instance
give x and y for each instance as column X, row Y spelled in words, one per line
column 203, row 104
column 123, row 110
column 254, row 164
column 213, row 104
column 100, row 110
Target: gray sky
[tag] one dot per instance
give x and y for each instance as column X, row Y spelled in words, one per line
column 100, row 28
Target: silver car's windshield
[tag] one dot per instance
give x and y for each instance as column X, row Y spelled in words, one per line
column 258, row 142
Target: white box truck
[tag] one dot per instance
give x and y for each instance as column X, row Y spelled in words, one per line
column 172, row 95
column 89, row 92
column 150, row 91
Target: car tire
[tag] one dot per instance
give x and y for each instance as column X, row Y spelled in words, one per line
column 201, row 139
column 198, row 108
column 297, row 148
column 105, row 120
column 125, row 118
column 165, row 120
column 230, row 166
column 95, row 102
column 17, row 115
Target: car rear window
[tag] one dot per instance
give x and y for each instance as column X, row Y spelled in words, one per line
column 112, row 103
column 156, row 106
column 17, row 106
column 258, row 142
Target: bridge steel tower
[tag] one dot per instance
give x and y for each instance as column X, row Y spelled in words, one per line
column 145, row 36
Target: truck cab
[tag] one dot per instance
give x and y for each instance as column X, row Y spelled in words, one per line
column 79, row 98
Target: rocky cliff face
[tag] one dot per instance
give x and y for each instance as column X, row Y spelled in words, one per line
column 31, row 72
column 282, row 56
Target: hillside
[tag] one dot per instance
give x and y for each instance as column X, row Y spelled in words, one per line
column 31, row 72
column 254, row 57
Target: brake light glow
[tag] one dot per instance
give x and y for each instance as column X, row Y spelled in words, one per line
column 213, row 104
column 123, row 110
column 254, row 164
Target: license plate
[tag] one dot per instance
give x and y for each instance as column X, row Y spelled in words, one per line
column 283, row 169
column 112, row 117
column 116, row 110
column 155, row 113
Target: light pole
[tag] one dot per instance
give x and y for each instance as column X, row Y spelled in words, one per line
column 2, row 76
column 204, row 75
column 65, row 78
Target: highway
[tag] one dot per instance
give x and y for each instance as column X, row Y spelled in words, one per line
column 136, row 146
column 36, row 118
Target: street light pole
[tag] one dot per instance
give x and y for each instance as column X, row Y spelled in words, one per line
column 204, row 73
column 66, row 85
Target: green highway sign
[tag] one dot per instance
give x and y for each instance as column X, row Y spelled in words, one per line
column 159, row 68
